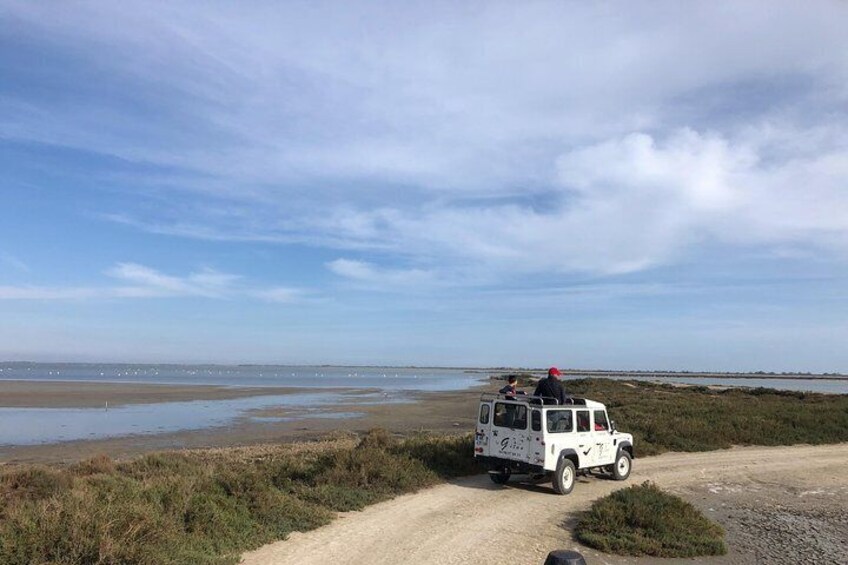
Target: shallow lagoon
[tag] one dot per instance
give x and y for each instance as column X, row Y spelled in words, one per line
column 385, row 378
column 30, row 426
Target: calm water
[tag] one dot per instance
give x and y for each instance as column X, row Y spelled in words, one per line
column 804, row 385
column 252, row 375
column 27, row 426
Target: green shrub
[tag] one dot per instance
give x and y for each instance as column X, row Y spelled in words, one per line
column 644, row 520
column 663, row 418
column 196, row 508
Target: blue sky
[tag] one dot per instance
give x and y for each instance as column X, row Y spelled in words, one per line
column 482, row 183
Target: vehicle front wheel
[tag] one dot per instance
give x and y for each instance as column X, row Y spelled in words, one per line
column 564, row 476
column 621, row 468
column 501, row 477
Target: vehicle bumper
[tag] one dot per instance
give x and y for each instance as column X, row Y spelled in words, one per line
column 499, row 463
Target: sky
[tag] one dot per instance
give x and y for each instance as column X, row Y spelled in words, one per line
column 657, row 185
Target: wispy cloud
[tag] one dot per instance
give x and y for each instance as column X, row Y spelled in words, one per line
column 495, row 147
column 145, row 282
column 374, row 276
column 50, row 293
column 150, row 282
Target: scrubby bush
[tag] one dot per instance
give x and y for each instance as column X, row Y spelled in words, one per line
column 663, row 417
column 644, row 520
column 195, row 508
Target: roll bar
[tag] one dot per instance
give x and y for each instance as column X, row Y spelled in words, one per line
column 529, row 399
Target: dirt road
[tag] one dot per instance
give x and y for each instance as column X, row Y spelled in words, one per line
column 765, row 497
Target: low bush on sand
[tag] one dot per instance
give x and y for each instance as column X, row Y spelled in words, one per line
column 208, row 507
column 644, row 520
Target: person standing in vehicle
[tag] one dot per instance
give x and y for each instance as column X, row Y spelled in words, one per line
column 551, row 387
column 509, row 390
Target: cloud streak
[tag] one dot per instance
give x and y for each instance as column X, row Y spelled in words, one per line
column 553, row 138
column 141, row 281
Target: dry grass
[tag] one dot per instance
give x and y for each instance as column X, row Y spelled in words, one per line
column 208, row 506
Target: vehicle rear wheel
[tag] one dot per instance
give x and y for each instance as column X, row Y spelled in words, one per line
column 501, row 476
column 564, row 476
column 622, row 466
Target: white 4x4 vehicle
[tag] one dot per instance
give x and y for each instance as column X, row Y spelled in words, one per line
column 526, row 434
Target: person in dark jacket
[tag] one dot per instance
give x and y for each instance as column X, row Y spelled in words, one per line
column 509, row 390
column 551, row 387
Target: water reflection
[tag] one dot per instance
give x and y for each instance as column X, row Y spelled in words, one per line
column 29, row 426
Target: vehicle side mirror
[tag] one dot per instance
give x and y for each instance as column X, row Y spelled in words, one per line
column 612, row 426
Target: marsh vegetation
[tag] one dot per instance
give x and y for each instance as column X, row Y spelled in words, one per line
column 644, row 520
column 209, row 506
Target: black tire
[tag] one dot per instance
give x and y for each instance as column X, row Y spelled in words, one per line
column 622, row 466
column 501, row 477
column 565, row 476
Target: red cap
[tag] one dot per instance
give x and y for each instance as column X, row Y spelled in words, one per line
column 553, row 372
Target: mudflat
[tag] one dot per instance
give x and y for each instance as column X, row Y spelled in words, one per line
column 77, row 394
column 434, row 411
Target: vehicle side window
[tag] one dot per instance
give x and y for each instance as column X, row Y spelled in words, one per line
column 484, row 413
column 601, row 423
column 582, row 420
column 536, row 421
column 560, row 421
column 510, row 416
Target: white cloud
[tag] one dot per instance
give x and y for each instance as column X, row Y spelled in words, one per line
column 364, row 272
column 545, row 137
column 436, row 96
column 633, row 202
column 146, row 282
column 47, row 293
column 281, row 295
column 207, row 282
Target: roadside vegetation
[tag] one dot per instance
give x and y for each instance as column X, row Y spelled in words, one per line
column 644, row 520
column 208, row 506
column 664, row 417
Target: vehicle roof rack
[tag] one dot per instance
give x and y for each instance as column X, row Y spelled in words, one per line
column 529, row 399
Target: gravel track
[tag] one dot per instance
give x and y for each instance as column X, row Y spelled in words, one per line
column 774, row 502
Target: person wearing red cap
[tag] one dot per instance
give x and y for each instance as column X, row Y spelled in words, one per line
column 551, row 387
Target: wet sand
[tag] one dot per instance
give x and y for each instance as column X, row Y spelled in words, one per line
column 436, row 411
column 75, row 394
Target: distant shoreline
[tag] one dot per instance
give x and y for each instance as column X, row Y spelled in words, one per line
column 673, row 375
column 786, row 375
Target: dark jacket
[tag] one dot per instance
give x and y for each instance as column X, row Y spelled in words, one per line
column 510, row 390
column 551, row 387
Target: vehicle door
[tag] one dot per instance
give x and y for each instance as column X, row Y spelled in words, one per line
column 585, row 439
column 484, row 429
column 536, row 437
column 602, row 439
column 559, row 434
column 509, row 431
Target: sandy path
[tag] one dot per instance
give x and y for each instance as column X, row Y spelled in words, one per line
column 473, row 521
